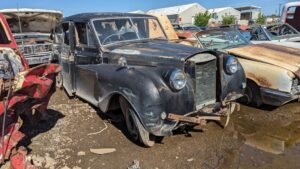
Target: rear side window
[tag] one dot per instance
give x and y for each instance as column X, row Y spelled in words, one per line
column 84, row 35
column 3, row 34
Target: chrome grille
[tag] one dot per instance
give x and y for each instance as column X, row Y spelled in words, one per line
column 36, row 49
column 42, row 48
column 203, row 72
column 27, row 50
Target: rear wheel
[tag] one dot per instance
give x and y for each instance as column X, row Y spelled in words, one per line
column 135, row 128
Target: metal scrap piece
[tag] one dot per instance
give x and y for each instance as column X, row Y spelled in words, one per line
column 102, row 151
column 201, row 120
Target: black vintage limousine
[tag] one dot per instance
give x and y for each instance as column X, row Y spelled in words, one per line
column 124, row 61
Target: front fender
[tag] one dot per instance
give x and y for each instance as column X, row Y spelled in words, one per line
column 145, row 89
column 268, row 76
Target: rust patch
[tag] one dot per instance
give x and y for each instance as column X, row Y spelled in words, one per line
column 279, row 48
column 261, row 80
column 200, row 120
column 287, row 58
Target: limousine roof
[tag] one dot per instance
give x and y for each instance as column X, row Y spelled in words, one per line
column 88, row 16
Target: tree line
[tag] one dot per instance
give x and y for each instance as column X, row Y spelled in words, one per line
column 202, row 19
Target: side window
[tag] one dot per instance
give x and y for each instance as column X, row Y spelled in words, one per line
column 66, row 33
column 84, row 35
column 90, row 39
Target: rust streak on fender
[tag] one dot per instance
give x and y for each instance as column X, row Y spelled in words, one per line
column 261, row 80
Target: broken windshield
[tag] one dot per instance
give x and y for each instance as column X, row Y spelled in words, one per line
column 222, row 39
column 116, row 30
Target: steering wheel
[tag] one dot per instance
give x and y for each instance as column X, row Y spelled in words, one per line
column 112, row 35
column 284, row 31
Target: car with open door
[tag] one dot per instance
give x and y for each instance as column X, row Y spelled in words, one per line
column 124, row 61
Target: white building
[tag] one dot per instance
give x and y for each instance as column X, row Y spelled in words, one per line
column 249, row 12
column 183, row 14
column 219, row 13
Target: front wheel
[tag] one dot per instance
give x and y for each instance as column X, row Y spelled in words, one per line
column 253, row 94
column 135, row 128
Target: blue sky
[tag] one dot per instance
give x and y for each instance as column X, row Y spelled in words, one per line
column 70, row 7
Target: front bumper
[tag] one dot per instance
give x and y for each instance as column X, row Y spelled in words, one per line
column 277, row 98
column 212, row 112
column 38, row 59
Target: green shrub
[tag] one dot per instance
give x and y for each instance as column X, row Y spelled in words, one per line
column 261, row 19
column 228, row 20
column 202, row 19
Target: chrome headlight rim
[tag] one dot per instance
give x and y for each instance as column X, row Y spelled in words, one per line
column 177, row 80
column 231, row 65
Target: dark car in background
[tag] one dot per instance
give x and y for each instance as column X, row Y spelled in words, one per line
column 291, row 14
column 124, row 61
column 32, row 30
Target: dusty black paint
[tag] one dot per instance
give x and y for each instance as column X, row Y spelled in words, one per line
column 95, row 75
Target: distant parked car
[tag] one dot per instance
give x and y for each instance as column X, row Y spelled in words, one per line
column 32, row 30
column 274, row 32
column 191, row 28
column 272, row 71
column 186, row 31
column 280, row 34
column 120, row 60
column 291, row 14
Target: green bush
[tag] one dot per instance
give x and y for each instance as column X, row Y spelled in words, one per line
column 261, row 19
column 202, row 19
column 228, row 20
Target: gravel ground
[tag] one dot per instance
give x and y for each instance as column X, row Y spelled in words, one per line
column 256, row 138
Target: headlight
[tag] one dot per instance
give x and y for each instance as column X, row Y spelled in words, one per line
column 177, row 80
column 231, row 65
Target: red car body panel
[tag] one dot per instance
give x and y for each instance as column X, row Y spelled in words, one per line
column 32, row 92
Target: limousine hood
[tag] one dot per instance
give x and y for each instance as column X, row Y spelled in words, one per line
column 281, row 56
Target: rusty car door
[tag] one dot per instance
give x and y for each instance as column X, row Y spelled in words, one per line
column 86, row 53
column 67, row 57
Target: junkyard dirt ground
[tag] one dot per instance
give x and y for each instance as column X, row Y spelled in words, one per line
column 74, row 127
